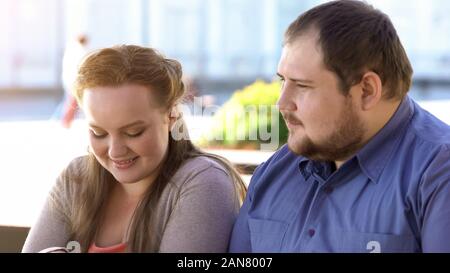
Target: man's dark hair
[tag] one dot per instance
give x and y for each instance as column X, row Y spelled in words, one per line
column 356, row 38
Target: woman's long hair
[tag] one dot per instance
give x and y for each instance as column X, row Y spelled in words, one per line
column 129, row 64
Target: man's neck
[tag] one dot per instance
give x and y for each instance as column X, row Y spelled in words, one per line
column 377, row 119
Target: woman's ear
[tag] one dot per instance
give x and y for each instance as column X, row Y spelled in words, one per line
column 174, row 115
column 173, row 112
column 372, row 90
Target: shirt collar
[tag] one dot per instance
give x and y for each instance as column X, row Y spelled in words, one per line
column 374, row 156
column 308, row 167
column 303, row 163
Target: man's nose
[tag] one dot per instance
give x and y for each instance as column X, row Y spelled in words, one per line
column 286, row 101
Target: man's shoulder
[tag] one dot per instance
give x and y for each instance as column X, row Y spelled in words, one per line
column 428, row 128
column 427, row 140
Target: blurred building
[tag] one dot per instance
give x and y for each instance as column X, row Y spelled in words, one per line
column 223, row 43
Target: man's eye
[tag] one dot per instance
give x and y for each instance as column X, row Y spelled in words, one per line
column 302, row 86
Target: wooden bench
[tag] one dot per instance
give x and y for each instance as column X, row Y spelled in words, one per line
column 12, row 238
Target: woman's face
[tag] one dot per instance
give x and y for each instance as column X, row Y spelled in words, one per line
column 128, row 130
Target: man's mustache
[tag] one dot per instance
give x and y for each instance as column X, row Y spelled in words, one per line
column 290, row 118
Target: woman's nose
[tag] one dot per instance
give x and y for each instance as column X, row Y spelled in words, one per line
column 117, row 149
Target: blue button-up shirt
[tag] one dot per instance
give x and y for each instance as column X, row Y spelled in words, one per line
column 392, row 196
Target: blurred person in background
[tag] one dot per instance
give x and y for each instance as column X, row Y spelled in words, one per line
column 73, row 55
column 143, row 187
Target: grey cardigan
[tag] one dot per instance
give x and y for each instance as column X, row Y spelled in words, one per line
column 199, row 206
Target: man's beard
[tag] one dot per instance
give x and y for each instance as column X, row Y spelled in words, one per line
column 344, row 142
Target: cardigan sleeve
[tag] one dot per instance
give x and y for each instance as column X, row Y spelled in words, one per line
column 51, row 228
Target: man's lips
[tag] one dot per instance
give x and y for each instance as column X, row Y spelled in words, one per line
column 291, row 121
column 294, row 122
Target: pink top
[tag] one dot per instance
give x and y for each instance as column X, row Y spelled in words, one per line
column 119, row 248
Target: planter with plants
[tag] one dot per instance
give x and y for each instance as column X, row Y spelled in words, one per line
column 249, row 120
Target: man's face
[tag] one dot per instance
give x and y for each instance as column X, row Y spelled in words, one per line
column 323, row 123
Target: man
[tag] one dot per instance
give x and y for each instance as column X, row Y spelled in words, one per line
column 365, row 168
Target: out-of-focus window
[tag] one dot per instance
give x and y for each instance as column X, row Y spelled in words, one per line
column 29, row 43
column 224, row 41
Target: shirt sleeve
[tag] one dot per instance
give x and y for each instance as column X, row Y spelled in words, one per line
column 435, row 203
column 203, row 216
column 50, row 229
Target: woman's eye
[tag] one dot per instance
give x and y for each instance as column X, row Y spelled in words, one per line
column 97, row 135
column 135, row 134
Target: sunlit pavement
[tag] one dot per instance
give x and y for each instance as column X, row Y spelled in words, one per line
column 33, row 153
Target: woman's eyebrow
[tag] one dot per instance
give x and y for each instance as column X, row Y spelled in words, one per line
column 138, row 122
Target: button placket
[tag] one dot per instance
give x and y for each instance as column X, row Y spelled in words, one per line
column 310, row 227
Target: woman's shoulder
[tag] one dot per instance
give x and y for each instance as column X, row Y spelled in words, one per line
column 67, row 185
column 76, row 168
column 200, row 168
column 72, row 175
column 203, row 162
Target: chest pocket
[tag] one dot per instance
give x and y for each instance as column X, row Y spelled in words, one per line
column 266, row 235
column 377, row 243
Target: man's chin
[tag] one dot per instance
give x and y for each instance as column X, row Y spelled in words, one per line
column 304, row 147
column 297, row 147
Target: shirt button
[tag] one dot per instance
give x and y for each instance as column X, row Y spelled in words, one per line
column 328, row 190
column 311, row 232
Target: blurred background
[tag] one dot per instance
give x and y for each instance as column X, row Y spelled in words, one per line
column 223, row 45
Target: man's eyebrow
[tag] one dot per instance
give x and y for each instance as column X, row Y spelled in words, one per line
column 296, row 80
column 138, row 122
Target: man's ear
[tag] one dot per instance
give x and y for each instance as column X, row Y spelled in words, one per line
column 372, row 90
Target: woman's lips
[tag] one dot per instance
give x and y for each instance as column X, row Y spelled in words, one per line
column 124, row 164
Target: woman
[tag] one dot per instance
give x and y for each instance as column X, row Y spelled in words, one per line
column 143, row 187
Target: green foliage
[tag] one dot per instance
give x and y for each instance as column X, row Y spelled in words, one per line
column 250, row 118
